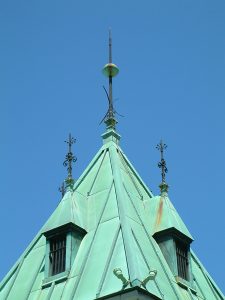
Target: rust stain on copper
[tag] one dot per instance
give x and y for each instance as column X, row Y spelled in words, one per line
column 159, row 213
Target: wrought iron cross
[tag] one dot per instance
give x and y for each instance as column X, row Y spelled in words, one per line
column 162, row 164
column 70, row 158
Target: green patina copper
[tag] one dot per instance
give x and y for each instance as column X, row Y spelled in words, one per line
column 110, row 70
column 165, row 216
column 119, row 213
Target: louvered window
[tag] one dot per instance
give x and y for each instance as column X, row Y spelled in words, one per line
column 182, row 261
column 57, row 255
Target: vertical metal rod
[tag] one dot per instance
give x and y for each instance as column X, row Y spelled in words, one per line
column 110, row 47
column 110, row 78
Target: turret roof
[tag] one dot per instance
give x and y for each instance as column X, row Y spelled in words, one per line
column 119, row 213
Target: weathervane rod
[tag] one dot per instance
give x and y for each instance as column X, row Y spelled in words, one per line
column 110, row 46
column 110, row 70
column 111, row 110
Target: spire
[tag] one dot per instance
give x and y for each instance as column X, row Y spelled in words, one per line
column 162, row 165
column 110, row 70
column 69, row 159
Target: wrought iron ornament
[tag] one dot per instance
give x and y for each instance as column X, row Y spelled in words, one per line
column 162, row 164
column 62, row 189
column 70, row 158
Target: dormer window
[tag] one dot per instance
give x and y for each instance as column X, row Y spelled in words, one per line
column 175, row 247
column 57, row 255
column 62, row 244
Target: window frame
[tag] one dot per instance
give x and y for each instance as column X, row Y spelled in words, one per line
column 166, row 240
column 57, row 254
column 73, row 237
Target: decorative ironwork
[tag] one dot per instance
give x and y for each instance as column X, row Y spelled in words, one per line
column 70, row 158
column 162, row 164
column 111, row 111
column 62, row 189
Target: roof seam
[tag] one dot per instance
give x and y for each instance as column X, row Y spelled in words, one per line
column 153, row 246
column 122, row 234
column 61, row 297
column 98, row 192
column 108, row 261
column 14, row 279
column 146, row 262
column 135, row 172
column 50, row 291
column 130, row 175
column 190, row 293
column 82, row 177
column 90, row 247
column 133, row 219
column 21, row 258
column 119, row 191
column 97, row 172
column 216, row 292
column 34, row 278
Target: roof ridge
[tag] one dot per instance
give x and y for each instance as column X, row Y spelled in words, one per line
column 73, row 293
column 206, row 274
column 135, row 173
column 126, row 231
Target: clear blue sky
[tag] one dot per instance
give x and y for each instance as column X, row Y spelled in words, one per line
column 171, row 84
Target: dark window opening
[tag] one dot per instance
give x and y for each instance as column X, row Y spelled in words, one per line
column 57, row 255
column 182, row 261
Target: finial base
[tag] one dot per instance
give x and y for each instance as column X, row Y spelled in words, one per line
column 111, row 135
column 69, row 183
column 164, row 187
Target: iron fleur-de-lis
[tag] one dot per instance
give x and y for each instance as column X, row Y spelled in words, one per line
column 70, row 158
column 162, row 164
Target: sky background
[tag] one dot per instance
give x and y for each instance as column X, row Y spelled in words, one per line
column 171, row 85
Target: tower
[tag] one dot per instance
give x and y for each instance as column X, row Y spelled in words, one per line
column 110, row 237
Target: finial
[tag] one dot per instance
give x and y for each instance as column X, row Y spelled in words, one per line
column 70, row 158
column 110, row 46
column 110, row 70
column 162, row 165
column 62, row 189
